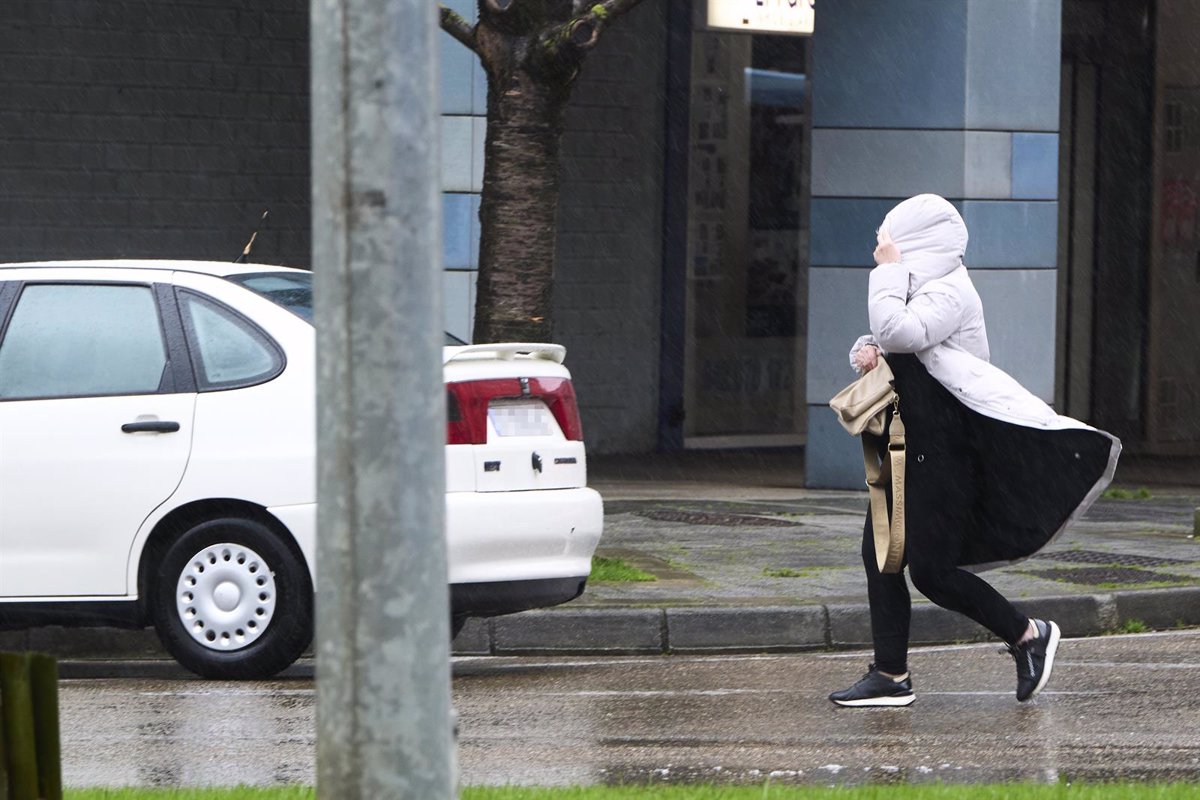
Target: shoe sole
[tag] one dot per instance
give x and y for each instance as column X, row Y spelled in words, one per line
column 1048, row 666
column 868, row 702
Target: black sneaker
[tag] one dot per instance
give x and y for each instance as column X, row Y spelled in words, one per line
column 876, row 689
column 1035, row 660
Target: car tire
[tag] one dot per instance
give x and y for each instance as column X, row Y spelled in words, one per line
column 231, row 600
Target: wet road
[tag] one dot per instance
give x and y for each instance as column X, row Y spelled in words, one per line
column 1118, row 707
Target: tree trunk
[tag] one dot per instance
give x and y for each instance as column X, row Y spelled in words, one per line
column 532, row 51
column 519, row 209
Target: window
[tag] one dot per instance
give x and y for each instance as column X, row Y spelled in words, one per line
column 293, row 291
column 227, row 349
column 71, row 340
column 1175, row 127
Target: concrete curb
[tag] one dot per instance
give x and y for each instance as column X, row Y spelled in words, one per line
column 692, row 630
column 568, row 631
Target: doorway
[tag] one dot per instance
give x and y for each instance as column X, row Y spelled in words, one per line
column 747, row 240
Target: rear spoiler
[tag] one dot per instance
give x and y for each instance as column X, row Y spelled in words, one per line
column 508, row 351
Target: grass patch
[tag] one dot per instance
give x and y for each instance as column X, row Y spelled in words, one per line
column 786, row 572
column 802, row 572
column 1112, row 585
column 1117, row 493
column 614, row 570
column 1007, row 791
column 1133, row 626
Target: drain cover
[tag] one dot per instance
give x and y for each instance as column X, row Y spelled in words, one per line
column 723, row 520
column 1118, row 559
column 1094, row 576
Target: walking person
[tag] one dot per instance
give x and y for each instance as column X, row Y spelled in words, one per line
column 992, row 473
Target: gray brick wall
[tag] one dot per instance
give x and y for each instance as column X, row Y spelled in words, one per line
column 607, row 291
column 153, row 129
column 145, row 128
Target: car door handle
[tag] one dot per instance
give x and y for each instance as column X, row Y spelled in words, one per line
column 150, row 425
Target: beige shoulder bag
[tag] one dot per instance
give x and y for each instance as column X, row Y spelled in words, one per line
column 862, row 410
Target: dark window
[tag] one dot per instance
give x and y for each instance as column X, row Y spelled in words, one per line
column 1174, row 127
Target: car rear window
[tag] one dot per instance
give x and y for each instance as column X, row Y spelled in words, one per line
column 293, row 291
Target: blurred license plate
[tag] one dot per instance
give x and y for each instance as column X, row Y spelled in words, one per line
column 522, row 418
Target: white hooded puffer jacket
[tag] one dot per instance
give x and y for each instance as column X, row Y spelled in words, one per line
column 927, row 305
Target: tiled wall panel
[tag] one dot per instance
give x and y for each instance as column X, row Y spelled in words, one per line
column 895, row 64
column 970, row 114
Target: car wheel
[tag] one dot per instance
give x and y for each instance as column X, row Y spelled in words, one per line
column 231, row 600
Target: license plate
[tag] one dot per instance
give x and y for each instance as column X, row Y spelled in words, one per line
column 522, row 418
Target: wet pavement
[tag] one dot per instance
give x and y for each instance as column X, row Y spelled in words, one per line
column 741, row 529
column 718, row 534
column 745, row 558
column 1119, row 707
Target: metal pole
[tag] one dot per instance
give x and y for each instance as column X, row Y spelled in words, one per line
column 383, row 666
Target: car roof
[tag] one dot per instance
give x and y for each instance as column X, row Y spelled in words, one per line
column 221, row 269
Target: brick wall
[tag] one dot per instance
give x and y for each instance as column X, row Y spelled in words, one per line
column 607, row 291
column 153, row 129
column 163, row 129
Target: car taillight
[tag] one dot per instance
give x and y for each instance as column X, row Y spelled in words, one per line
column 466, row 412
column 457, row 431
column 559, row 395
column 467, row 405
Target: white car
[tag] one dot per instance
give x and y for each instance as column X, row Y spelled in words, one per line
column 157, row 461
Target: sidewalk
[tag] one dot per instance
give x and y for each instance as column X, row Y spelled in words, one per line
column 746, row 559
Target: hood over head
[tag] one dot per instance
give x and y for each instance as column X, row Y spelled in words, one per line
column 931, row 236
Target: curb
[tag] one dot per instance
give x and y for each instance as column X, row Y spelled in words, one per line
column 568, row 631
column 653, row 631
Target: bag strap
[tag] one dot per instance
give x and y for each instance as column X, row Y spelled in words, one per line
column 889, row 535
column 892, row 556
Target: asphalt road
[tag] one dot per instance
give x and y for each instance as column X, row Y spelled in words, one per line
column 1118, row 707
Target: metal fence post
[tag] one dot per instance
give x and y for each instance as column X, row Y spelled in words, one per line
column 383, row 675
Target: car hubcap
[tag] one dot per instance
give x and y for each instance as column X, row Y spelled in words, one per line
column 225, row 597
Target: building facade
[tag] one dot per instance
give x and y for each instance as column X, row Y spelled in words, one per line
column 721, row 190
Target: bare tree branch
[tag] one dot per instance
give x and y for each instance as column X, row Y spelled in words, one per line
column 582, row 32
column 615, row 8
column 453, row 24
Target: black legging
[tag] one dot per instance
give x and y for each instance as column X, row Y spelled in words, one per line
column 941, row 492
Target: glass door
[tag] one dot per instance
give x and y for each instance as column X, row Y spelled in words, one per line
column 747, row 240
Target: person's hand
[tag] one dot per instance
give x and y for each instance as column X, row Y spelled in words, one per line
column 867, row 358
column 886, row 251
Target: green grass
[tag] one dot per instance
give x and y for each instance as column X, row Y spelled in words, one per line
column 614, row 570
column 1133, row 626
column 786, row 572
column 1008, row 791
column 1144, row 585
column 1117, row 493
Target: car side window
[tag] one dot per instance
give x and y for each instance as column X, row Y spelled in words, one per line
column 228, row 351
column 79, row 340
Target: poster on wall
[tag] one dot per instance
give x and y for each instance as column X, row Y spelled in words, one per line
column 763, row 16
